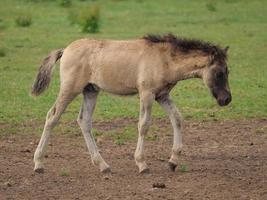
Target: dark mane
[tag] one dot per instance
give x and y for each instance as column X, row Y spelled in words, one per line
column 187, row 45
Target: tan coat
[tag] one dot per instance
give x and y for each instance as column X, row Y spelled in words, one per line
column 150, row 66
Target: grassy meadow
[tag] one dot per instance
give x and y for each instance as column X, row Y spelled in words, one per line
column 241, row 24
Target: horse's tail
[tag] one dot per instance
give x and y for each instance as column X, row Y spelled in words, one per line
column 45, row 72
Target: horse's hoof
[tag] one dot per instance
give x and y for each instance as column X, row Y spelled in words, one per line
column 144, row 171
column 39, row 170
column 172, row 166
column 106, row 170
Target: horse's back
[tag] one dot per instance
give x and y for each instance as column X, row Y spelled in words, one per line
column 112, row 65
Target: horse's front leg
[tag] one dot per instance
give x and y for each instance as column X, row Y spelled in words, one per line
column 146, row 100
column 175, row 118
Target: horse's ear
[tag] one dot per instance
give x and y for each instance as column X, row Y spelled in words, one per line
column 214, row 51
column 213, row 55
column 226, row 49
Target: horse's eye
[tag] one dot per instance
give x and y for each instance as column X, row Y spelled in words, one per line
column 219, row 76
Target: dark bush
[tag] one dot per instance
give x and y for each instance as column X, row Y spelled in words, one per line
column 24, row 20
column 211, row 7
column 88, row 19
column 65, row 3
column 2, row 52
column 2, row 24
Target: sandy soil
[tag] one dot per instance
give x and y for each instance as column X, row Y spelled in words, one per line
column 220, row 160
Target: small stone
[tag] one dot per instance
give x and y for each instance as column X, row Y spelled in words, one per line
column 99, row 140
column 186, row 191
column 108, row 198
column 26, row 151
column 159, row 185
column 9, row 183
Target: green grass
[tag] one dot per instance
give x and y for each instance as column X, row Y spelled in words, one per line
column 24, row 20
column 183, row 168
column 2, row 53
column 64, row 172
column 241, row 24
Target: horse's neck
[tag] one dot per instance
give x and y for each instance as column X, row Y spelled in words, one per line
column 190, row 67
column 193, row 73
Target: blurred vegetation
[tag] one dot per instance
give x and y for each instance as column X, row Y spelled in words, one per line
column 87, row 18
column 65, row 3
column 64, row 172
column 24, row 19
column 2, row 52
column 211, row 7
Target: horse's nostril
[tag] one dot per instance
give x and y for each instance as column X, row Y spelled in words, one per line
column 227, row 100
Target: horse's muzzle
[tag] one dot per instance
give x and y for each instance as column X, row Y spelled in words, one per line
column 224, row 100
column 222, row 96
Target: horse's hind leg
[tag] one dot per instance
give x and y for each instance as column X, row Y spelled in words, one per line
column 85, row 122
column 175, row 118
column 53, row 115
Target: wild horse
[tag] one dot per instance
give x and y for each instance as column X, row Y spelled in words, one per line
column 150, row 66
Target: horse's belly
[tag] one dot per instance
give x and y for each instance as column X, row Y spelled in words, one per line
column 117, row 81
column 120, row 91
column 117, row 87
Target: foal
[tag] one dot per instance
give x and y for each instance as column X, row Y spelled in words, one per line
column 150, row 66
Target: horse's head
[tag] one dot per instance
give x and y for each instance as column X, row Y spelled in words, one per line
column 216, row 78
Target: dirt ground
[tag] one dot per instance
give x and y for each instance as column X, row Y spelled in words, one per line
column 220, row 160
